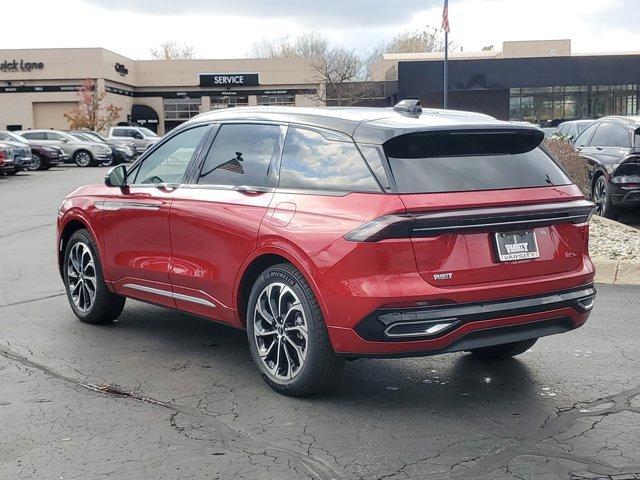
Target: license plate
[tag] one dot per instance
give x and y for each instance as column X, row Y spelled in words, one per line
column 514, row 246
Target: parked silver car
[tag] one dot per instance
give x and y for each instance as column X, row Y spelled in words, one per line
column 82, row 153
column 142, row 137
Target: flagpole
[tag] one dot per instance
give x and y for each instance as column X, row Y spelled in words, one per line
column 446, row 69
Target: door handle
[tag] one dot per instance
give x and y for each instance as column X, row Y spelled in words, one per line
column 167, row 186
column 248, row 189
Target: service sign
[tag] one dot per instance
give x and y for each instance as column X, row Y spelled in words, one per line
column 226, row 80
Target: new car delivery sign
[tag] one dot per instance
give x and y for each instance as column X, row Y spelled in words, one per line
column 226, row 80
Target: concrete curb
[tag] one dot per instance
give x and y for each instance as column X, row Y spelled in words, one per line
column 617, row 272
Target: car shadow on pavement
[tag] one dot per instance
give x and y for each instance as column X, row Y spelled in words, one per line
column 444, row 383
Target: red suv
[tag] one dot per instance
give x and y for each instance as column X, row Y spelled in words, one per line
column 331, row 234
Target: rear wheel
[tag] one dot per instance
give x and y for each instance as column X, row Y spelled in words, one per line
column 287, row 335
column 602, row 198
column 82, row 158
column 506, row 350
column 88, row 295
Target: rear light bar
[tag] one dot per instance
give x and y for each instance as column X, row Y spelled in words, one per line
column 493, row 219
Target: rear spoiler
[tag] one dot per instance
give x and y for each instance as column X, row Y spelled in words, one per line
column 461, row 143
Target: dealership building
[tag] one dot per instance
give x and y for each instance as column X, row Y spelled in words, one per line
column 538, row 81
column 38, row 86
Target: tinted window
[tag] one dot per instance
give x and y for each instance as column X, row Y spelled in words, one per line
column 310, row 160
column 118, row 132
column 54, row 136
column 241, row 155
column 610, row 135
column 583, row 139
column 4, row 136
column 34, row 135
column 479, row 172
column 168, row 163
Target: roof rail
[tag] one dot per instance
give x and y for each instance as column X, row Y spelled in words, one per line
column 410, row 106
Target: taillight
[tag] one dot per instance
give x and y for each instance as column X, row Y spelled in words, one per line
column 388, row 226
column 485, row 219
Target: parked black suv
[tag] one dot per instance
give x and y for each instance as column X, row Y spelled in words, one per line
column 611, row 151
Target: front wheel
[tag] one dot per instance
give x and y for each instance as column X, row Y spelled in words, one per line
column 288, row 338
column 36, row 163
column 82, row 158
column 88, row 295
column 506, row 350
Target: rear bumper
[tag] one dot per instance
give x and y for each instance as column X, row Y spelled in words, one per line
column 457, row 327
column 625, row 196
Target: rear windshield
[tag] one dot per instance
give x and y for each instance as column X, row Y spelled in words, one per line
column 514, row 163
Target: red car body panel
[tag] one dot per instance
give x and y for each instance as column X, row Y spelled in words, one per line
column 199, row 242
column 189, row 248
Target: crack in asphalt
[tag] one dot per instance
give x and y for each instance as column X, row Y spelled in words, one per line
column 24, row 230
column 226, row 437
column 565, row 418
column 31, row 300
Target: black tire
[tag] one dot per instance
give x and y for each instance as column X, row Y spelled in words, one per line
column 36, row 163
column 506, row 350
column 83, row 158
column 321, row 365
column 601, row 196
column 106, row 306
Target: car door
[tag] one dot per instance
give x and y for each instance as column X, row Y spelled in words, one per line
column 135, row 221
column 215, row 220
column 610, row 143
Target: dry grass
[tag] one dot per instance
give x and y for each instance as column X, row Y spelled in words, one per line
column 570, row 160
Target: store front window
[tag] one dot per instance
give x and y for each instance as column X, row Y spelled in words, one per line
column 229, row 101
column 551, row 105
column 181, row 109
column 277, row 99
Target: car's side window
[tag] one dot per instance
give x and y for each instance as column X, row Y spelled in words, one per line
column 242, row 154
column 619, row 137
column 583, row 139
column 34, row 135
column 4, row 137
column 168, row 163
column 611, row 135
column 54, row 136
column 311, row 160
column 118, row 132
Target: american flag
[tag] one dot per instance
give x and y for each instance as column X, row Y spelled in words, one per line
column 445, row 17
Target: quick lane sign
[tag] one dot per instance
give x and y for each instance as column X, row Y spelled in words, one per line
column 15, row 65
column 229, row 80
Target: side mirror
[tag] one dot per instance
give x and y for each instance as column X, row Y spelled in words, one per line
column 137, row 136
column 65, row 140
column 116, row 177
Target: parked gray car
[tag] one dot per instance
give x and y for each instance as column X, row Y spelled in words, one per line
column 82, row 153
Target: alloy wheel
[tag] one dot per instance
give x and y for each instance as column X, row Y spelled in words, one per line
column 36, row 163
column 280, row 331
column 83, row 159
column 600, row 195
column 81, row 276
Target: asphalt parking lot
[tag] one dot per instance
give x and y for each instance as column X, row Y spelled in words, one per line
column 164, row 395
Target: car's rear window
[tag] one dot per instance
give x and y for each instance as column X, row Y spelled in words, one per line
column 435, row 164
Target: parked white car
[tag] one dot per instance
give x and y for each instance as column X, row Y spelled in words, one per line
column 142, row 137
column 82, row 153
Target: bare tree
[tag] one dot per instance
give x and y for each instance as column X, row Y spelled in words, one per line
column 333, row 67
column 171, row 50
column 417, row 41
column 308, row 45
